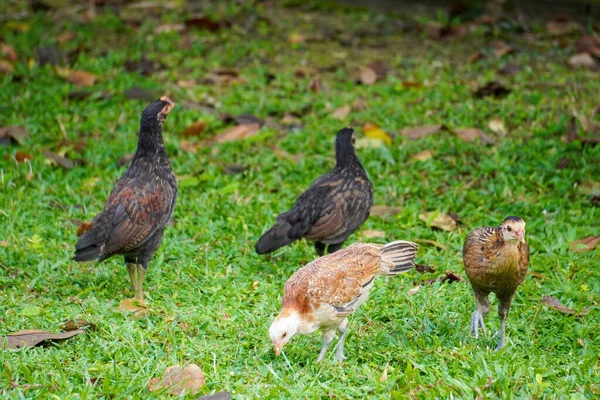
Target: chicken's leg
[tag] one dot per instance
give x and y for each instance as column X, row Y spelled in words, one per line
column 327, row 339
column 139, row 292
column 483, row 307
column 137, row 305
column 131, row 271
column 320, row 248
column 339, row 351
column 332, row 248
column 503, row 308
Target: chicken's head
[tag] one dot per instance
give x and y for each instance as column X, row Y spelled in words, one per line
column 282, row 330
column 513, row 229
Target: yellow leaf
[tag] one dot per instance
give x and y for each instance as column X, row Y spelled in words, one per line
column 375, row 132
column 423, row 155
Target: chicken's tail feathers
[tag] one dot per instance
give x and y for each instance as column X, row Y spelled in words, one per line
column 274, row 238
column 88, row 247
column 398, row 257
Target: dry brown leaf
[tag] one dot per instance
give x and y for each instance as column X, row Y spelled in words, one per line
column 6, row 51
column 189, row 147
column 315, row 85
column 82, row 78
column 582, row 60
column 65, row 37
column 341, row 113
column 13, row 134
column 305, row 72
column 472, row 134
column 194, row 129
column 414, row 290
column 556, row 304
column 450, row 276
column 439, row 220
column 420, row 268
column 501, row 48
column 423, row 155
column 418, row 132
column 177, row 380
column 370, row 234
column 375, row 132
column 138, row 308
column 6, row 67
column 224, row 77
column 59, row 160
column 33, row 337
column 21, row 156
column 384, row 212
column 366, row 75
column 76, row 324
column 588, row 44
column 384, row 375
column 238, row 132
column 586, row 244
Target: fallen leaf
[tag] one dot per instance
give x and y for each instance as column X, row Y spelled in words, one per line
column 414, row 290
column 238, row 132
column 561, row 25
column 431, row 242
column 438, row 220
column 82, row 78
column 33, row 337
column 7, row 52
column 384, row 212
column 379, row 67
column 76, row 324
column 315, row 85
column 341, row 113
column 424, row 268
column 493, row 89
column 58, row 160
column 368, row 143
column 224, row 77
column 296, row 38
column 366, row 75
column 370, row 234
column 375, row 132
column 203, row 22
column 194, row 129
column 65, row 37
column 84, row 227
column 496, row 125
column 305, row 72
column 384, row 376
column 589, row 187
column 450, row 277
column 419, row 132
column 501, row 48
column 134, row 306
column 21, row 156
column 472, row 134
column 6, row 67
column 423, row 155
column 557, row 305
column 476, row 57
column 216, row 396
column 586, row 244
column 245, row 119
column 582, row 60
column 188, row 147
column 588, row 44
column 177, row 380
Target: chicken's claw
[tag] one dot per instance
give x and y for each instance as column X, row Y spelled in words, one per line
column 476, row 322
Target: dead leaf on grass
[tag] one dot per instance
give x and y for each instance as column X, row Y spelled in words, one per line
column 7, row 52
column 414, row 290
column 238, row 132
column 582, row 60
column 375, row 132
column 59, row 160
column 501, row 48
column 194, row 129
column 370, row 234
column 440, row 220
column 450, row 276
column 305, row 72
column 82, row 78
column 13, row 135
column 189, row 147
column 177, row 380
column 76, row 324
column 384, row 212
column 418, row 132
column 315, row 85
column 341, row 113
column 473, row 134
column 366, row 75
column 423, row 155
column 589, row 187
column 497, row 126
column 586, row 244
column 65, row 37
column 493, row 89
column 557, row 305
column 588, row 44
column 21, row 156
column 203, row 22
column 224, row 77
column 33, row 337
column 420, row 268
column 384, row 376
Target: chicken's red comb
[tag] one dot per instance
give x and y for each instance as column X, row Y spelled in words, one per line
column 170, row 104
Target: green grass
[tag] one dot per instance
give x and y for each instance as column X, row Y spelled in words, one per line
column 212, row 297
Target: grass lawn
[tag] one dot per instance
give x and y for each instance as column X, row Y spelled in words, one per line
column 212, row 298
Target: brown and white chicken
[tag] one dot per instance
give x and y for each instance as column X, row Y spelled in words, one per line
column 496, row 261
column 323, row 293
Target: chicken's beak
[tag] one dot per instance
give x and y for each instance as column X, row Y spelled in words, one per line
column 521, row 236
column 277, row 349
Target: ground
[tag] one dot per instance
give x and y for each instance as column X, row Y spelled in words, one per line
column 212, row 298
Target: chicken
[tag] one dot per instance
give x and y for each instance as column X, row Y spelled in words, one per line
column 333, row 207
column 322, row 294
column 140, row 205
column 496, row 260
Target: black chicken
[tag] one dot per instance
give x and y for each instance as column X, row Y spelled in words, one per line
column 333, row 207
column 140, row 205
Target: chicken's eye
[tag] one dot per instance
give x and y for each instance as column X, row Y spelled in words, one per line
column 508, row 228
column 284, row 334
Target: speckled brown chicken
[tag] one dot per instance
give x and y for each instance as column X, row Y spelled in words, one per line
column 331, row 209
column 140, row 205
column 496, row 261
column 322, row 294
